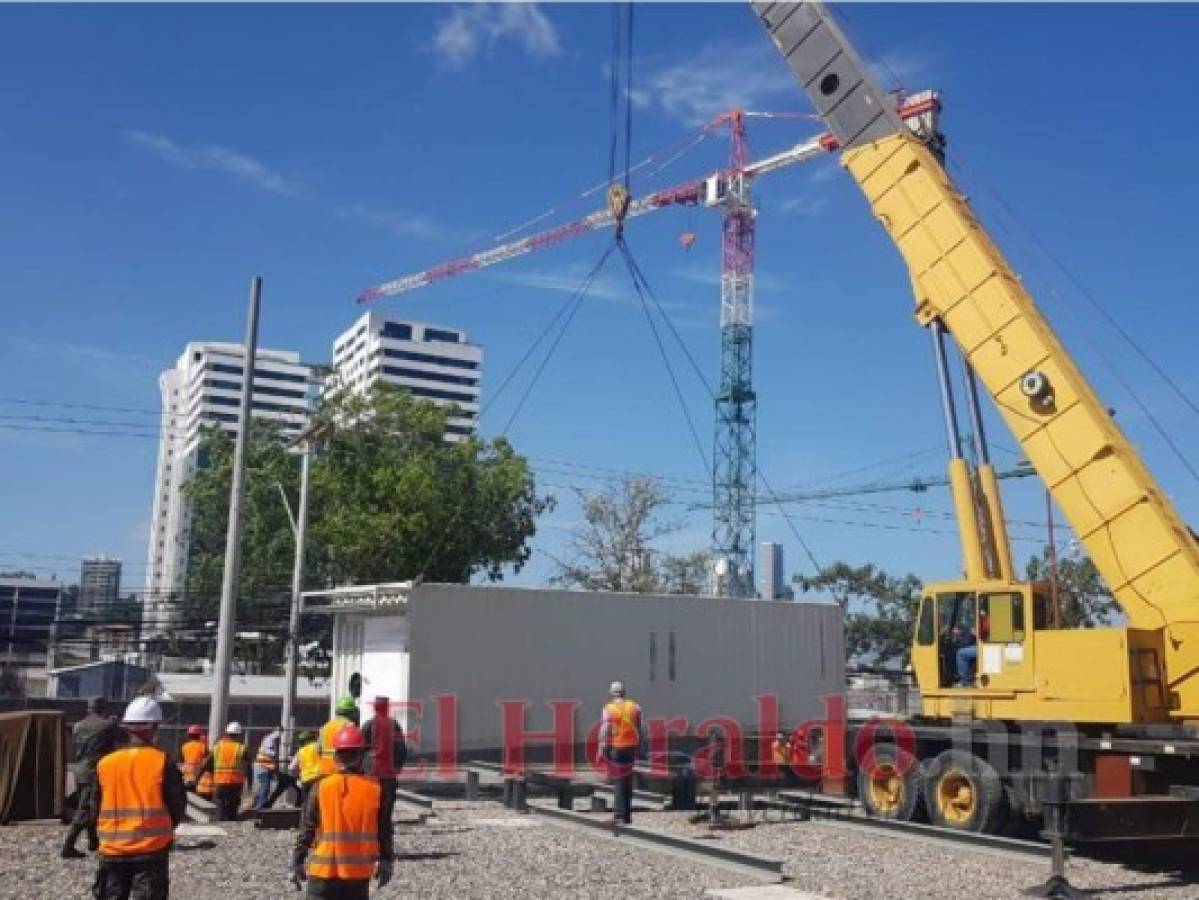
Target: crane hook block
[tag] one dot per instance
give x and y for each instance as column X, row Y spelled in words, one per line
column 618, row 204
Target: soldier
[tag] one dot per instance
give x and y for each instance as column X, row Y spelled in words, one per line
column 93, row 736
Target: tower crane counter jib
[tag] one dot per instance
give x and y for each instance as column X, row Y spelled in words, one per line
column 1027, row 667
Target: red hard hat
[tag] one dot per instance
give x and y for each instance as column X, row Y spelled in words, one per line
column 195, row 731
column 349, row 738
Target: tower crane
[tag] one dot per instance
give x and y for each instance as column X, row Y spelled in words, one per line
column 734, row 470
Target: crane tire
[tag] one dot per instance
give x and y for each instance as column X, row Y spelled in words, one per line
column 963, row 792
column 891, row 786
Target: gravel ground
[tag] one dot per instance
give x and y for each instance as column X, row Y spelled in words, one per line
column 852, row 864
column 473, row 850
column 466, row 851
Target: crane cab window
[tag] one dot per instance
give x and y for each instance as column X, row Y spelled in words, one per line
column 926, row 633
column 1001, row 618
column 956, row 611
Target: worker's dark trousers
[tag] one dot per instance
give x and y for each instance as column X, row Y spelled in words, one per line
column 148, row 879
column 330, row 889
column 228, row 801
column 83, row 820
column 387, row 797
column 284, row 783
column 621, row 769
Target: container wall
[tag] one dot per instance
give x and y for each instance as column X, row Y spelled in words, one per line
column 680, row 657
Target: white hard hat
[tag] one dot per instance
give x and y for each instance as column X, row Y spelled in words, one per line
column 142, row 711
column 233, row 728
column 617, row 689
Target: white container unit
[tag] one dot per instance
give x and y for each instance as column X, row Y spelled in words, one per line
column 679, row 656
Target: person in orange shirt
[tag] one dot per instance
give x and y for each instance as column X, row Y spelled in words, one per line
column 619, row 739
column 344, row 827
column 191, row 756
column 139, row 799
column 229, row 764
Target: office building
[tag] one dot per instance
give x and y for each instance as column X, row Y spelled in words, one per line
column 99, row 586
column 28, row 607
column 773, row 584
column 204, row 388
column 431, row 361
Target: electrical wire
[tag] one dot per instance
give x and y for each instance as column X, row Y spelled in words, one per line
column 674, row 381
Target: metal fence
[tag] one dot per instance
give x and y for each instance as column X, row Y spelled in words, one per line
column 257, row 719
column 882, row 692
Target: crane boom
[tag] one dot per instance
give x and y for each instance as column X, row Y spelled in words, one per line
column 690, row 193
column 963, row 283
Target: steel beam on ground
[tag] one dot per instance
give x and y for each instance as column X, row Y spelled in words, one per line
column 763, row 868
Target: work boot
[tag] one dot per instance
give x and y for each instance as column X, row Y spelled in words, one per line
column 72, row 853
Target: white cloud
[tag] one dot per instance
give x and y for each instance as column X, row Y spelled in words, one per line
column 717, row 78
column 214, row 158
column 398, row 222
column 470, row 30
column 804, row 205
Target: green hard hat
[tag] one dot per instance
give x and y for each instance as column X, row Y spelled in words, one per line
column 347, row 705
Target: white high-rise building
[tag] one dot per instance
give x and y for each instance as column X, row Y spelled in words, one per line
column 204, row 387
column 433, row 362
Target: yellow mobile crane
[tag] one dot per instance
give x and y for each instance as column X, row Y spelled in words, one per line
column 1132, row 691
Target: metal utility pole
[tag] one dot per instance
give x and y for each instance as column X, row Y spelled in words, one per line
column 293, row 625
column 229, row 583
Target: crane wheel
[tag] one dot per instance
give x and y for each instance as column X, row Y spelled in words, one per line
column 964, row 792
column 890, row 784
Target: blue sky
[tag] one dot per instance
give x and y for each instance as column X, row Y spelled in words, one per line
column 154, row 158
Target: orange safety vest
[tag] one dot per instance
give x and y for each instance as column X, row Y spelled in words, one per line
column 193, row 753
column 133, row 819
column 624, row 717
column 347, row 836
column 228, row 762
column 263, row 758
column 308, row 759
column 782, row 752
column 328, row 764
column 204, row 785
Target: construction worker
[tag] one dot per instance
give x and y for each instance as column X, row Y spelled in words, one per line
column 388, row 751
column 140, row 799
column 191, row 756
column 305, row 764
column 93, row 736
column 780, row 750
column 345, row 713
column 266, row 764
column 228, row 764
column 343, row 817
column 619, row 737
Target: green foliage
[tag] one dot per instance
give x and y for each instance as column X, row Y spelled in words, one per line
column 880, row 610
column 1084, row 599
column 268, row 545
column 392, row 499
column 389, row 499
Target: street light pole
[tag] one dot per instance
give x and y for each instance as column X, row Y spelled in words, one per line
column 293, row 625
column 232, row 573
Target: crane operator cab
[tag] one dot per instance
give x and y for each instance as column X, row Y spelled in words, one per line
column 979, row 637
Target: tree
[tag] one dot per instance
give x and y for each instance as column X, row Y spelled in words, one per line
column 267, row 541
column 389, row 499
column 392, row 499
column 689, row 573
column 613, row 549
column 1085, row 601
column 880, row 609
